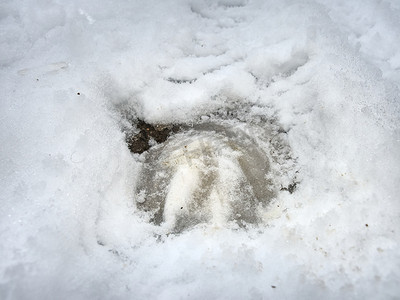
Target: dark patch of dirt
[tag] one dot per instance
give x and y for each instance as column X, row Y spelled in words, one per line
column 140, row 142
column 291, row 188
column 181, row 81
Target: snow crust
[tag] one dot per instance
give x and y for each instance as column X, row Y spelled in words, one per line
column 327, row 71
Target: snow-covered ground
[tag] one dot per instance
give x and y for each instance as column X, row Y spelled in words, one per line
column 326, row 72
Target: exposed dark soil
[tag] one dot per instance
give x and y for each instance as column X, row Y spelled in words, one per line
column 291, row 188
column 140, row 142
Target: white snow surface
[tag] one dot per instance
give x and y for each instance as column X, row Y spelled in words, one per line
column 328, row 71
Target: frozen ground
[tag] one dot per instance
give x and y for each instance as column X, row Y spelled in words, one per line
column 327, row 72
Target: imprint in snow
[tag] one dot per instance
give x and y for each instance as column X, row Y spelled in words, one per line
column 212, row 172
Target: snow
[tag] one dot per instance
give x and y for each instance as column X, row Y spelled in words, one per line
column 325, row 72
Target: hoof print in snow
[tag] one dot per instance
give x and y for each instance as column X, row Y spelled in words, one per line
column 220, row 170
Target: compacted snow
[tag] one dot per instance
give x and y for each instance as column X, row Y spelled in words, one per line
column 281, row 183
